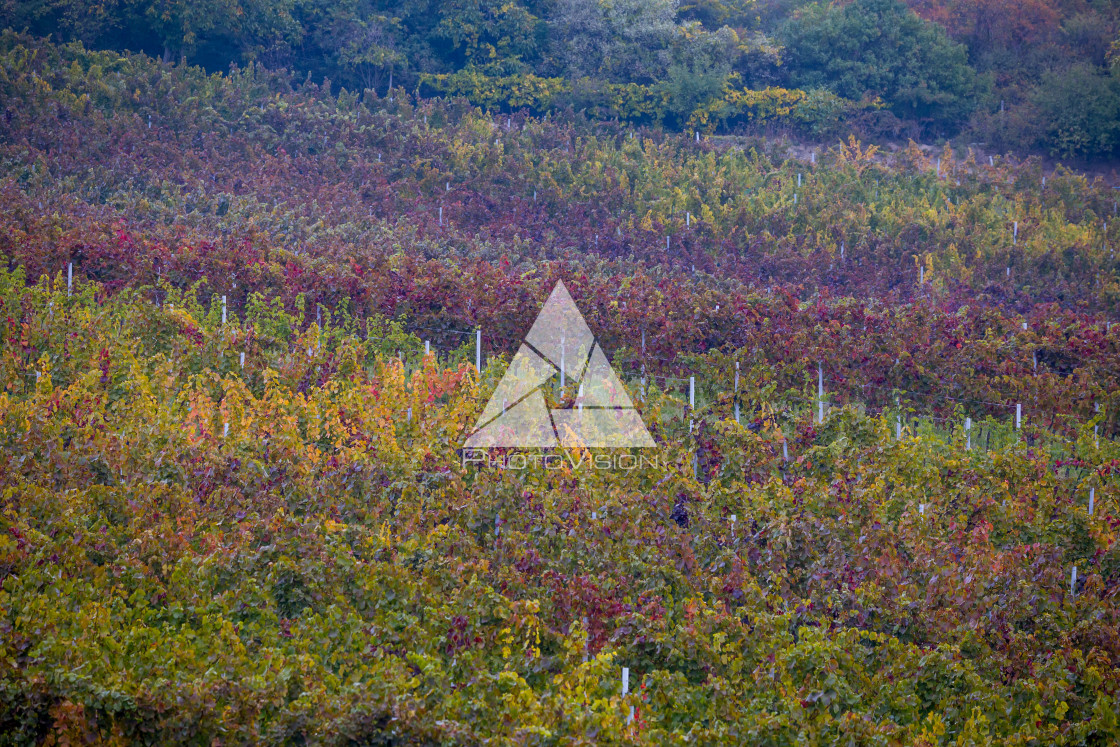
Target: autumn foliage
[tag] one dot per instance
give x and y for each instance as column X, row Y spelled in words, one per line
column 233, row 505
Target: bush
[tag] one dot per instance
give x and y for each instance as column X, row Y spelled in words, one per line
column 1078, row 112
column 880, row 48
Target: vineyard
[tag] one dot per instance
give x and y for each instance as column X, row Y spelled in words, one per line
column 247, row 322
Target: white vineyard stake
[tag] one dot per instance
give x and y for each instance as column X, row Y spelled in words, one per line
column 562, row 364
column 820, row 394
column 478, row 350
column 626, row 670
column 736, row 391
column 586, row 626
column 69, row 278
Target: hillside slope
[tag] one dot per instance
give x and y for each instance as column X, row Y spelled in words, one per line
column 233, row 503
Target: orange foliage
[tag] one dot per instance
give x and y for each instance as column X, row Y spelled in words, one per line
column 986, row 24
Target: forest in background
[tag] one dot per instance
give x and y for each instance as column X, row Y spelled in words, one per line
column 1029, row 75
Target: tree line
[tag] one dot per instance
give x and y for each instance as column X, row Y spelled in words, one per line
column 1035, row 75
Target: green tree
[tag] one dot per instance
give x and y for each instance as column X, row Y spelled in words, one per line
column 738, row 14
column 881, row 48
column 487, row 31
column 89, row 23
column 617, row 40
column 357, row 43
column 1077, row 111
column 701, row 63
column 233, row 28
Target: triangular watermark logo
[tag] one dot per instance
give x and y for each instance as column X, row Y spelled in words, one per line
column 559, row 345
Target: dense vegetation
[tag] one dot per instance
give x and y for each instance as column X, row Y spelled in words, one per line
column 1029, row 75
column 286, row 547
